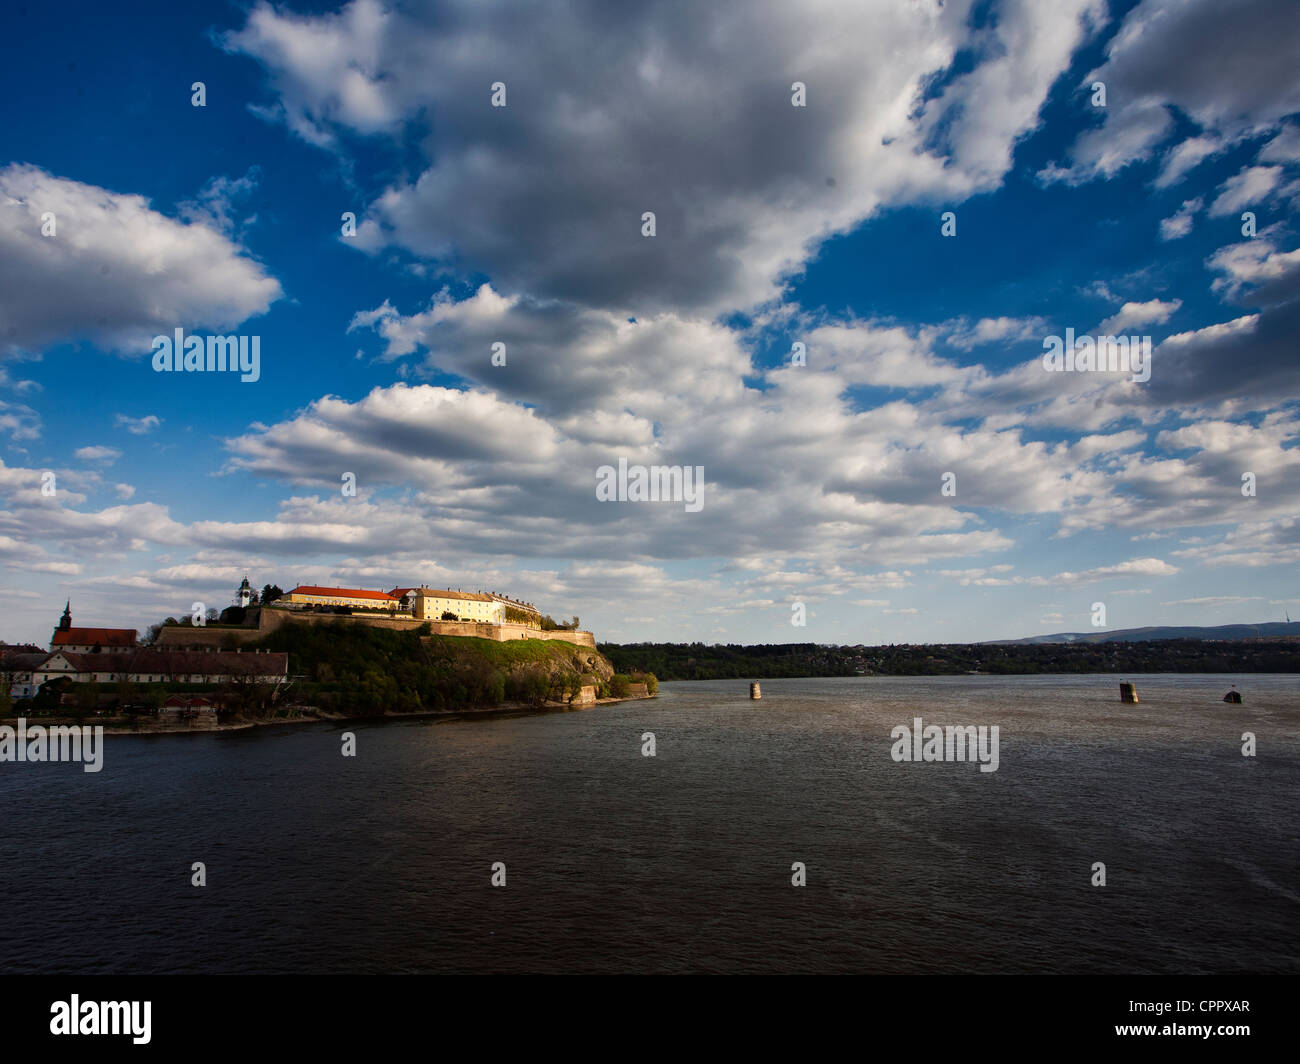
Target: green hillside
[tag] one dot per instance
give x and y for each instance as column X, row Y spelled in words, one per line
column 359, row 670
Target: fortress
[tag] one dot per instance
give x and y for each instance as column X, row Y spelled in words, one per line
column 484, row 615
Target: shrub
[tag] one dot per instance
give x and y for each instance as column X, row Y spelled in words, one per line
column 620, row 685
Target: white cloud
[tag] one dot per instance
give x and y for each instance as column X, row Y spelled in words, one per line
column 501, row 195
column 1247, row 189
column 137, row 426
column 994, row 330
column 108, row 455
column 1186, row 156
column 1137, row 315
column 20, row 421
column 1179, row 224
column 115, row 271
column 1147, row 72
column 1284, row 148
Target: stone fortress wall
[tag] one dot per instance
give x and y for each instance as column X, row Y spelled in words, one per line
column 270, row 619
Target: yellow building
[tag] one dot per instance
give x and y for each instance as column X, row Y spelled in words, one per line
column 430, row 605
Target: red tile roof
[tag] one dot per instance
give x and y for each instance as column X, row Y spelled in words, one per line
column 340, row 592
column 109, row 637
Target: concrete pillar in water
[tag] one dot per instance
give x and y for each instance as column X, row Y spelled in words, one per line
column 1128, row 693
column 755, row 692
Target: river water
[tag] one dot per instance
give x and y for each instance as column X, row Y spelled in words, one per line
column 681, row 862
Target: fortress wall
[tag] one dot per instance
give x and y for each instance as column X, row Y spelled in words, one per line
column 270, row 619
column 520, row 631
column 273, row 619
column 176, row 636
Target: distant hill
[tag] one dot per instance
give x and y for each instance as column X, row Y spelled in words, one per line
column 1268, row 630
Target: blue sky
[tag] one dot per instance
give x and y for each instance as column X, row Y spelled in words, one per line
column 775, row 224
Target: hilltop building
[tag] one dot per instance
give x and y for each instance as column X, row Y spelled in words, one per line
column 420, row 603
column 485, row 607
column 313, row 595
column 91, row 640
column 429, row 605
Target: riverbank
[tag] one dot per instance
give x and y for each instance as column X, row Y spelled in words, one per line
column 308, row 715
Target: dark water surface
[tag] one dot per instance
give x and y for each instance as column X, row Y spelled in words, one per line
column 682, row 862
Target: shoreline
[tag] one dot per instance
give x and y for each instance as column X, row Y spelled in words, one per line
column 124, row 726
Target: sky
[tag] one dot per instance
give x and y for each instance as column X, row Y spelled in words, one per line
column 923, row 195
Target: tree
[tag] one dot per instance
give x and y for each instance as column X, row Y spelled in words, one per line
column 214, row 614
column 270, row 593
column 537, row 686
column 88, row 697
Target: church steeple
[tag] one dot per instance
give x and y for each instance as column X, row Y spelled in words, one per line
column 65, row 622
column 245, row 592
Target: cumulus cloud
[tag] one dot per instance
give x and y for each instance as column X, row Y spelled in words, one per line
column 1147, row 74
column 822, row 482
column 1284, row 148
column 115, row 271
column 671, row 109
column 1246, row 189
column 137, row 426
column 1185, row 157
column 1247, row 356
column 1179, row 224
column 19, row 421
column 996, row 330
column 1136, row 315
column 107, row 455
